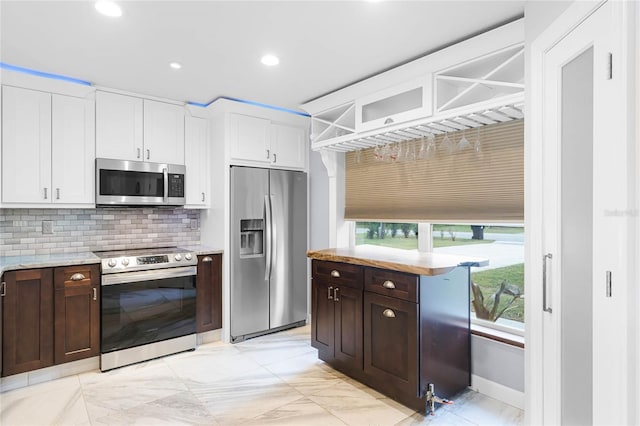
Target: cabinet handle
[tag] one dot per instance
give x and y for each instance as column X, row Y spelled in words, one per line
column 77, row 277
column 3, row 289
column 335, row 294
column 545, row 308
column 335, row 274
column 388, row 120
column 389, row 284
column 95, row 293
column 148, row 154
column 268, row 154
column 203, row 197
column 138, row 156
column 57, row 193
column 45, row 194
column 207, row 259
column 389, row 313
column 275, row 159
column 329, row 296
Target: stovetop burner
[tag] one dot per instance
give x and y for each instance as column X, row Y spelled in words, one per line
column 143, row 259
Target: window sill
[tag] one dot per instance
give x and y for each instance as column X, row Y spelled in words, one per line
column 497, row 335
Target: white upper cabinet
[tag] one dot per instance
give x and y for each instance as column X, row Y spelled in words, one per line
column 119, row 126
column 249, row 138
column 163, row 132
column 197, row 161
column 26, row 146
column 261, row 142
column 397, row 104
column 130, row 128
column 289, row 146
column 48, row 148
column 73, row 150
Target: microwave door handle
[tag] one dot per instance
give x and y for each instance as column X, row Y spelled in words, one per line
column 165, row 176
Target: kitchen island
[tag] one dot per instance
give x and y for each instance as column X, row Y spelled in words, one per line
column 395, row 320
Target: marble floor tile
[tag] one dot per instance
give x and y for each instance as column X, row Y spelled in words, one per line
column 56, row 402
column 271, row 380
column 301, row 412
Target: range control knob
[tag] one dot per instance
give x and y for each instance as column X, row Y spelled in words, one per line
column 125, row 261
column 188, row 256
column 178, row 257
column 112, row 263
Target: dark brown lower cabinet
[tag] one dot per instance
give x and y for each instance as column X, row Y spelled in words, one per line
column 27, row 321
column 77, row 312
column 391, row 344
column 209, row 293
column 50, row 316
column 393, row 331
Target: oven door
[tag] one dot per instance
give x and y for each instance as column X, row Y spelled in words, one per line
column 147, row 306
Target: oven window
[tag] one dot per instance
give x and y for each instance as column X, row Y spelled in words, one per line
column 131, row 183
column 135, row 314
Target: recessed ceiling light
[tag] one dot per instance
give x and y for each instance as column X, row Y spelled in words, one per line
column 108, row 8
column 270, row 60
column 175, row 65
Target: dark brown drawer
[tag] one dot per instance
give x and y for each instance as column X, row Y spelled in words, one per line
column 338, row 273
column 391, row 283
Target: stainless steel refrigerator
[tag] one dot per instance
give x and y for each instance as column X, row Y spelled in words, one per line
column 268, row 251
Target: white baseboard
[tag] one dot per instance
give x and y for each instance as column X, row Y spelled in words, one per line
column 498, row 391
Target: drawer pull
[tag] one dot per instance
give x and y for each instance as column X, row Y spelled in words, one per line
column 388, row 284
column 77, row 277
column 389, row 313
column 207, row 259
column 335, row 295
column 329, row 294
column 335, row 274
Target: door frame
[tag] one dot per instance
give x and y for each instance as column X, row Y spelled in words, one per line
column 572, row 17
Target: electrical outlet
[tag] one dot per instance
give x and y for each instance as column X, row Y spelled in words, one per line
column 194, row 223
column 47, row 227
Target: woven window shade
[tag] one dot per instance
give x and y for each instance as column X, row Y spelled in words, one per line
column 463, row 186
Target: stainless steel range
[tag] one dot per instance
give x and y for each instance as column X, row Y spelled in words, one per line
column 148, row 304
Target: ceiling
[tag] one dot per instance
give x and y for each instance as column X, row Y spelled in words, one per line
column 322, row 45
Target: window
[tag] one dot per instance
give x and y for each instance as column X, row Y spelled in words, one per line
column 396, row 235
column 503, row 278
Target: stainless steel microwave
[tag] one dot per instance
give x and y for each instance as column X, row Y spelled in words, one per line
column 138, row 183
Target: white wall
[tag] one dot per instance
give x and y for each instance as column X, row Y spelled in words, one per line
column 318, row 203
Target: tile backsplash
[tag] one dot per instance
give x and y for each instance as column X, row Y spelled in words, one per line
column 81, row 230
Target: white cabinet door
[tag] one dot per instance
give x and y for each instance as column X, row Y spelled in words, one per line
column 73, row 150
column 163, row 132
column 26, row 146
column 119, row 126
column 288, row 146
column 196, row 157
column 249, row 138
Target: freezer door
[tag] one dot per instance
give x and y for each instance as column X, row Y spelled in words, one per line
column 249, row 234
column 288, row 287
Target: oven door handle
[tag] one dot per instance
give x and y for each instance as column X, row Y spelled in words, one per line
column 155, row 274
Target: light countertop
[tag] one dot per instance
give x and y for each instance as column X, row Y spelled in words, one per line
column 410, row 261
column 10, row 263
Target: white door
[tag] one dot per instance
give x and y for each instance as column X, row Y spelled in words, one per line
column 196, row 158
column 73, row 150
column 163, row 132
column 584, row 181
column 119, row 126
column 26, row 146
column 289, row 146
column 249, row 139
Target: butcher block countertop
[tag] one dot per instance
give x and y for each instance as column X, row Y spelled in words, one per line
column 410, row 261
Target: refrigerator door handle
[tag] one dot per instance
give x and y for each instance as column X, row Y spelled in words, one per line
column 268, row 236
column 274, row 233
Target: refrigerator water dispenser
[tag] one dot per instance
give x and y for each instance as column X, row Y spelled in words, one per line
column 251, row 237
